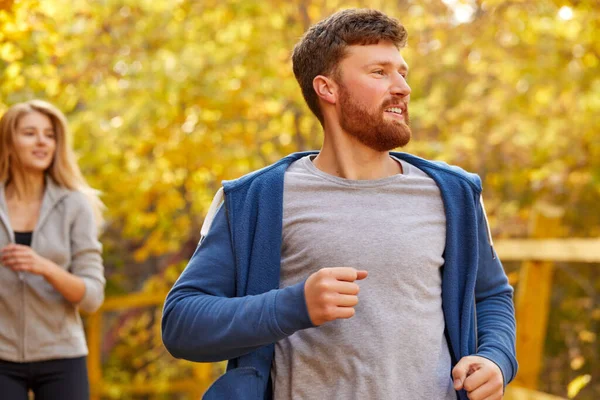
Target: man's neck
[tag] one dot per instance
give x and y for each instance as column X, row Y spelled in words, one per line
column 346, row 157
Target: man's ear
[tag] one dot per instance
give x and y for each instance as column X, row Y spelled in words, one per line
column 326, row 89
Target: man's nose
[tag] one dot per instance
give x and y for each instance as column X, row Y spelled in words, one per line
column 400, row 87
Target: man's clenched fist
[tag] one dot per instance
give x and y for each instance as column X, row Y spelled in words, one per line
column 481, row 378
column 332, row 293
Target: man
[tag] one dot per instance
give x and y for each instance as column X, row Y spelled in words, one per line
column 274, row 285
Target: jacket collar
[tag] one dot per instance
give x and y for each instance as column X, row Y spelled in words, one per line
column 429, row 167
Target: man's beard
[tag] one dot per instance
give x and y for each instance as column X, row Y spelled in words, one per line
column 372, row 129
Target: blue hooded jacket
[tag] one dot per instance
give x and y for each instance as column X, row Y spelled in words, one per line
column 227, row 305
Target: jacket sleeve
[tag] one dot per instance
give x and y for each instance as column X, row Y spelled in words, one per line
column 496, row 326
column 86, row 256
column 203, row 320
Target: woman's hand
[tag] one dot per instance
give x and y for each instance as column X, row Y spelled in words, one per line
column 22, row 258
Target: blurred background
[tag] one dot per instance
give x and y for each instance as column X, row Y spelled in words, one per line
column 166, row 98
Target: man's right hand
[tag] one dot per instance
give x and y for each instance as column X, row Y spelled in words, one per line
column 332, row 293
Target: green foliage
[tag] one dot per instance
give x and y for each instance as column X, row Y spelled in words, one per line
column 167, row 98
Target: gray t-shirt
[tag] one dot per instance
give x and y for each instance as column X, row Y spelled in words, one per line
column 395, row 228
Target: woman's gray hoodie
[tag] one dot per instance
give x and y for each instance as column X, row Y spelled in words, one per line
column 36, row 322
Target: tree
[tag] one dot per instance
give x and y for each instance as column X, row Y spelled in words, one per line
column 168, row 98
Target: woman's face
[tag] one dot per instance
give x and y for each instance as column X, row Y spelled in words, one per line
column 35, row 142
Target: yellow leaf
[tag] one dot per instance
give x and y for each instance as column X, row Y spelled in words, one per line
column 12, row 71
column 577, row 384
column 587, row 336
column 577, row 363
column 9, row 52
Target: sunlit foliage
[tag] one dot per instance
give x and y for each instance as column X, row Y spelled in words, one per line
column 166, row 98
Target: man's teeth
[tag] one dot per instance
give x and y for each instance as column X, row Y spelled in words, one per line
column 395, row 110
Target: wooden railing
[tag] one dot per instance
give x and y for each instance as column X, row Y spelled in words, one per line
column 519, row 393
column 202, row 373
column 532, row 305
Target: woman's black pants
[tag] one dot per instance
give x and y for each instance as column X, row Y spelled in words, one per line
column 63, row 379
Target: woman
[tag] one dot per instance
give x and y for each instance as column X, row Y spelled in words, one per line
column 50, row 257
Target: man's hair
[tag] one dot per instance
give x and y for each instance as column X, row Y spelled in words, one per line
column 324, row 45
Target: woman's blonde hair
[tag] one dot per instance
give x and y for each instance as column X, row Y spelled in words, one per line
column 63, row 169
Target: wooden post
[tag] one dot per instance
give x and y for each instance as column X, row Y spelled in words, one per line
column 94, row 361
column 533, row 299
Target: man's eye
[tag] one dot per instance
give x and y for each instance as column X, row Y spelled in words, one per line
column 379, row 72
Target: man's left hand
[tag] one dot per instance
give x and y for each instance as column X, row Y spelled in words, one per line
column 480, row 377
